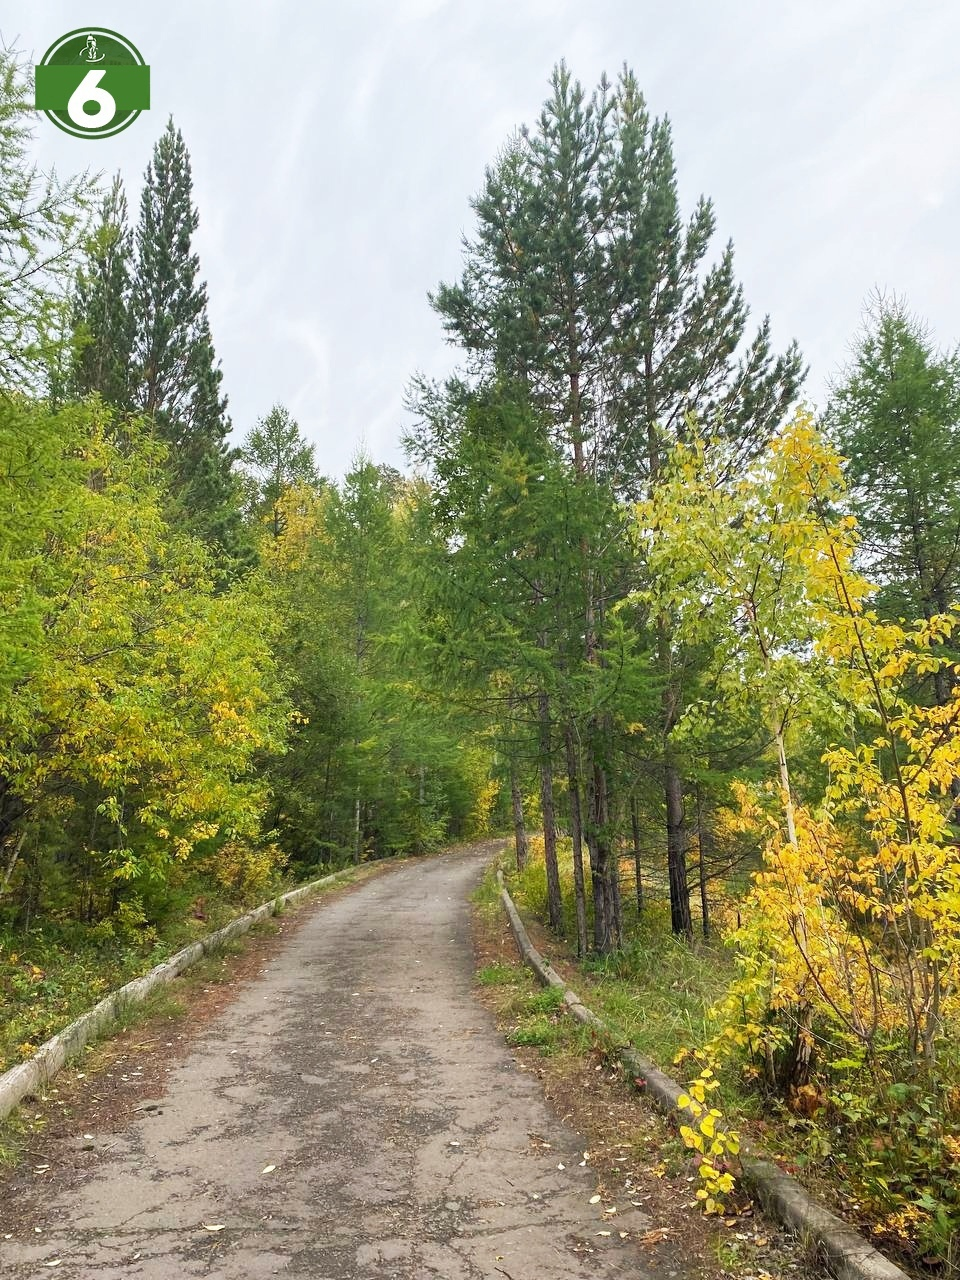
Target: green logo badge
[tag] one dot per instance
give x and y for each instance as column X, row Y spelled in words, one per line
column 92, row 83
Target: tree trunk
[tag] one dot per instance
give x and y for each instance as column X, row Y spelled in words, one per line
column 519, row 830
column 576, row 836
column 12, row 809
column 12, row 863
column 598, row 842
column 615, row 896
column 798, row 1063
column 637, row 860
column 680, row 919
column 704, row 849
column 554, row 899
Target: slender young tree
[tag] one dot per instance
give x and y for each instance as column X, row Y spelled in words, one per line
column 274, row 458
column 102, row 313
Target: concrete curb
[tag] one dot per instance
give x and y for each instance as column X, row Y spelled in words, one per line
column 27, row 1077
column 845, row 1252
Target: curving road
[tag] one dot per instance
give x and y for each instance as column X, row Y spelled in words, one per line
column 397, row 1124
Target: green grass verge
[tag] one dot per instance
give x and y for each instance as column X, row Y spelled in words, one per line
column 54, row 971
column 658, row 991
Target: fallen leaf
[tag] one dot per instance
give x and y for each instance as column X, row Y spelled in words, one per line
column 268, row 1168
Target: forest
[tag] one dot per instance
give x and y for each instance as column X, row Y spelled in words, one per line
column 690, row 641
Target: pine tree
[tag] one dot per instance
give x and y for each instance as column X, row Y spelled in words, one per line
column 103, row 319
column 584, row 283
column 178, row 375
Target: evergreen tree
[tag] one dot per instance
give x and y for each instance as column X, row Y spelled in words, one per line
column 178, row 375
column 103, row 319
column 42, row 225
column 896, row 416
column 585, row 284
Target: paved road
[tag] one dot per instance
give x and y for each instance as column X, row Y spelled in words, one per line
column 362, row 1068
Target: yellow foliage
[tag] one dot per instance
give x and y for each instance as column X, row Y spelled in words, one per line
column 145, row 686
column 245, row 869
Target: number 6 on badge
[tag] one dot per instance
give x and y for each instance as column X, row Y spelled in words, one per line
column 87, row 91
column 92, row 83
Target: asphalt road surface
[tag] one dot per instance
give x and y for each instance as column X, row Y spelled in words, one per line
column 354, row 1113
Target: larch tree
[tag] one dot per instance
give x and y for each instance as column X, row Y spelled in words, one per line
column 896, row 417
column 42, row 225
column 275, row 457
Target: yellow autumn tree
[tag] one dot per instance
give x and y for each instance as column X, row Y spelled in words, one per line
column 141, row 695
column 849, row 954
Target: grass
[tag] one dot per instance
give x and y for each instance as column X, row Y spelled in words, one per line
column 659, row 990
column 534, row 1015
column 497, row 975
column 57, row 970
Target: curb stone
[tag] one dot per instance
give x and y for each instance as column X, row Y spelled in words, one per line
column 847, row 1254
column 27, row 1077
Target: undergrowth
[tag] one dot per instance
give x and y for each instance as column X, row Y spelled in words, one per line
column 879, row 1159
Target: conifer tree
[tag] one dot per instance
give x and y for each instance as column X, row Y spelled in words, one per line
column 275, row 457
column 103, row 318
column 178, row 375
column 896, row 416
column 585, row 283
column 42, row 225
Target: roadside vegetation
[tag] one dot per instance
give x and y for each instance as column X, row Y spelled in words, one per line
column 206, row 693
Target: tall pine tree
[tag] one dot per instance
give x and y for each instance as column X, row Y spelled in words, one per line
column 178, row 375
column 585, row 284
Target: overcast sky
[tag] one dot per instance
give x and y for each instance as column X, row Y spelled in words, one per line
column 335, row 148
